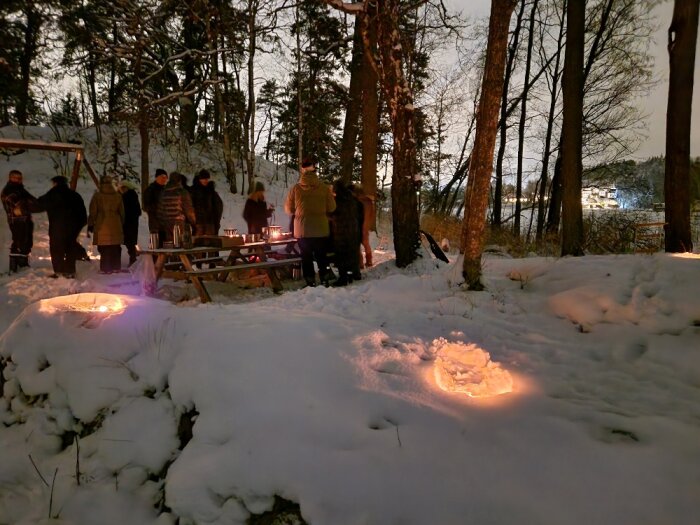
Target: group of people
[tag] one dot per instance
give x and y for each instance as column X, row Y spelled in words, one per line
column 113, row 217
column 329, row 219
column 324, row 219
column 113, row 220
column 171, row 204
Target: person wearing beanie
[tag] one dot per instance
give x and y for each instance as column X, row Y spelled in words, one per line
column 174, row 207
column 208, row 206
column 150, row 203
column 106, row 223
column 19, row 204
column 67, row 216
column 256, row 211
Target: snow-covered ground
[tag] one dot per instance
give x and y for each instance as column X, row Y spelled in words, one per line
column 584, row 375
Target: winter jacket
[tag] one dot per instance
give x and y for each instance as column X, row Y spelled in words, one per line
column 175, row 207
column 256, row 214
column 132, row 212
column 66, row 211
column 150, row 204
column 106, row 216
column 310, row 201
column 346, row 220
column 208, row 206
column 18, row 202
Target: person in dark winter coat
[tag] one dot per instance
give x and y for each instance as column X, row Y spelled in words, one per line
column 256, row 211
column 19, row 204
column 208, row 206
column 346, row 223
column 132, row 212
column 67, row 216
column 150, row 203
column 175, row 207
column 106, row 223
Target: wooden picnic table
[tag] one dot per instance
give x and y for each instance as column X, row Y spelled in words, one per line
column 248, row 256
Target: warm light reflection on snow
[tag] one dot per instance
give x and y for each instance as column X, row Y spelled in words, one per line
column 686, row 255
column 468, row 369
column 91, row 303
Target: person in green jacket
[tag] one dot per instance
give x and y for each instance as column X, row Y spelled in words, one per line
column 311, row 201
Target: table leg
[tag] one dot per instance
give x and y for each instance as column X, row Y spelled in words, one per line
column 159, row 264
column 271, row 272
column 196, row 280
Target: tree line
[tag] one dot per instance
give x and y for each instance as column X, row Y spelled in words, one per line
column 364, row 84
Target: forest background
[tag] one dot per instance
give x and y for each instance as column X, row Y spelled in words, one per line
column 284, row 80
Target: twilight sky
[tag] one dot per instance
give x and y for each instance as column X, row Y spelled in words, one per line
column 655, row 104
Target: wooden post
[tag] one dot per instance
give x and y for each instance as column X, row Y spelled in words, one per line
column 76, row 169
column 91, row 172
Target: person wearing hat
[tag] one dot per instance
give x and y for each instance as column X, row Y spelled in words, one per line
column 256, row 211
column 174, row 207
column 132, row 212
column 106, row 222
column 208, row 206
column 310, row 202
column 150, row 203
column 19, row 204
column 67, row 216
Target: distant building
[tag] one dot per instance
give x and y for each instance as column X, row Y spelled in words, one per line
column 599, row 198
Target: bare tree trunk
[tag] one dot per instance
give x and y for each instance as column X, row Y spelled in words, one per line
column 249, row 121
column 97, row 121
column 26, row 58
column 352, row 114
column 503, row 123
column 682, row 36
column 370, row 112
column 521, row 126
column 142, row 122
column 572, row 131
column 481, row 165
column 399, row 97
column 548, row 136
column 300, row 112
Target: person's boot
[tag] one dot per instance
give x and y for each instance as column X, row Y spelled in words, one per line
column 13, row 264
column 310, row 282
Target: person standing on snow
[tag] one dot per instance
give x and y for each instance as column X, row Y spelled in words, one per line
column 19, row 204
column 256, row 211
column 174, row 207
column 208, row 206
column 67, row 216
column 106, row 224
column 310, row 202
column 346, row 224
column 150, row 203
column 132, row 212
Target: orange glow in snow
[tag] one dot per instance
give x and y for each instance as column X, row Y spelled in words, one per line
column 467, row 369
column 90, row 303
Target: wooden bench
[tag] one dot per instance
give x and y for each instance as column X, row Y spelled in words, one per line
column 222, row 273
column 202, row 260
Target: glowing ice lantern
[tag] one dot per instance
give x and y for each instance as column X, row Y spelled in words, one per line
column 90, row 303
column 468, row 369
